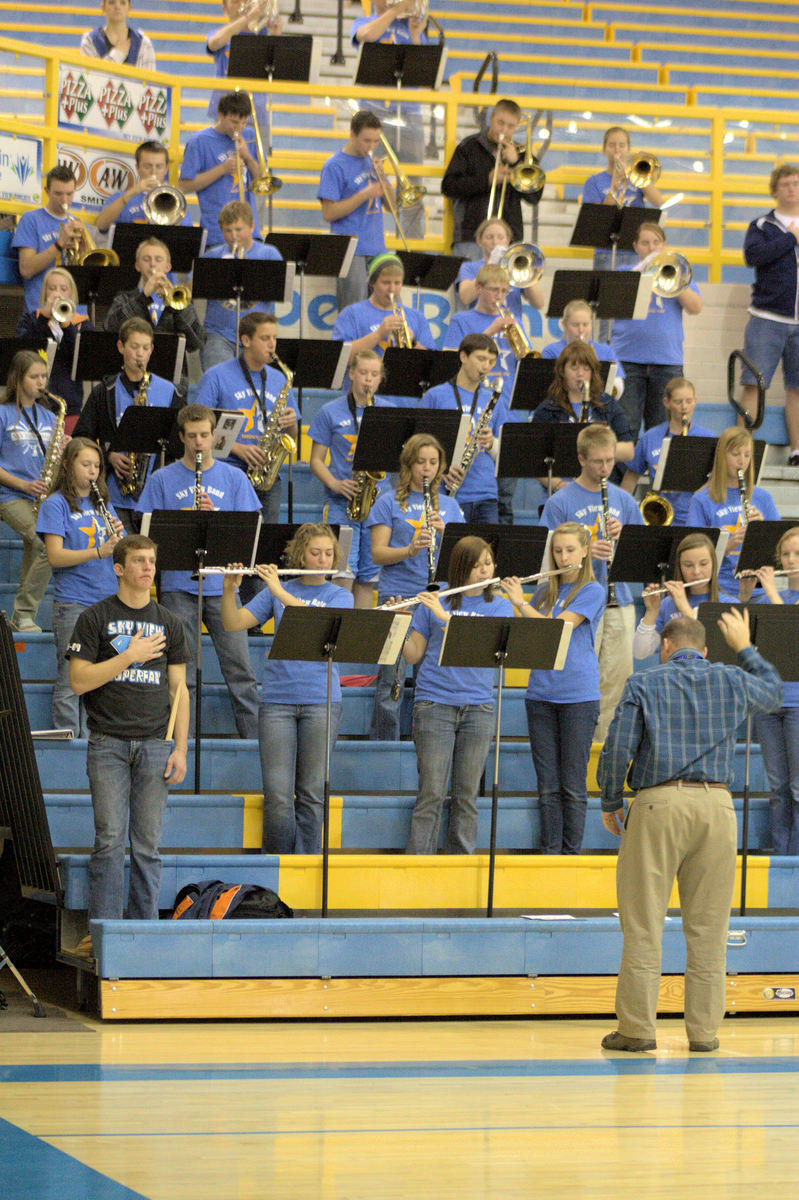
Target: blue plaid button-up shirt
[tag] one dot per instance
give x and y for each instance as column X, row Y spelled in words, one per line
column 679, row 720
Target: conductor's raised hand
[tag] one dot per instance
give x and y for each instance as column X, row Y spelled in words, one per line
column 734, row 625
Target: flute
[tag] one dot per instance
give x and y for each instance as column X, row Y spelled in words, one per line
column 660, row 591
column 395, row 605
column 254, row 571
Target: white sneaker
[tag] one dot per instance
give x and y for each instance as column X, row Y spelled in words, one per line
column 24, row 625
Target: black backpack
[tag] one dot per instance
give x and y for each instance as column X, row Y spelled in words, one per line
column 215, row 900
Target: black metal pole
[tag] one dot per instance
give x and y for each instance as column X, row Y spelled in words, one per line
column 338, row 56
column 492, row 849
column 198, row 688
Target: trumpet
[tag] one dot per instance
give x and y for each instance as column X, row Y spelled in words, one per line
column 62, row 311
column 514, row 333
column 177, row 296
column 264, row 183
column 402, row 337
column 524, row 263
column 641, row 170
column 164, row 205
column 266, row 18
column 671, row 272
column 86, row 253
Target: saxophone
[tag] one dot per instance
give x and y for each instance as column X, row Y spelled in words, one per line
column 274, row 444
column 359, row 505
column 52, row 458
column 472, row 442
column 134, row 483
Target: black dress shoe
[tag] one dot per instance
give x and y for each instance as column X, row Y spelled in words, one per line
column 793, row 459
column 704, row 1047
column 617, row 1041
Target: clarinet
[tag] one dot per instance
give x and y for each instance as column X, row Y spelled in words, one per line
column 744, row 498
column 585, row 405
column 102, row 508
column 432, row 586
column 198, row 480
column 603, row 488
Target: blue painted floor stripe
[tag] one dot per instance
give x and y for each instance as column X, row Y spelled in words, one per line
column 32, row 1170
column 644, row 1064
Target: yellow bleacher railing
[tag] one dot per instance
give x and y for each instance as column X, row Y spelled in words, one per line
column 712, row 187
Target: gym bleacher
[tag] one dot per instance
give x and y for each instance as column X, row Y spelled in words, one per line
column 708, row 88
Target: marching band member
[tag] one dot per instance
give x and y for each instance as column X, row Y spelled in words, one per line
column 219, row 488
column 79, row 530
column 250, row 384
column 493, row 236
column 477, row 485
column 152, row 170
column 382, row 320
column 719, row 503
column 58, row 286
column 27, row 423
column 107, row 402
column 334, row 431
column 680, row 403
column 149, row 301
column 453, row 711
column 118, row 42
column 563, row 706
column 583, row 501
column 697, row 581
column 606, row 186
column 351, row 200
column 778, row 732
column 577, row 323
column 292, row 716
column 236, row 223
column 242, row 16
column 209, row 165
column 44, row 234
column 651, row 350
column 406, row 529
column 576, row 383
column 492, row 288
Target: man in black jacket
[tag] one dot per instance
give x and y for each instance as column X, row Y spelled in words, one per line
column 470, row 173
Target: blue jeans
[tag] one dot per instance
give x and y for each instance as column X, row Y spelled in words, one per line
column 480, row 512
column 217, row 349
column 69, row 711
column 292, row 745
column 766, row 343
column 128, row 791
column 644, row 389
column 232, row 652
column 778, row 734
column 447, row 737
column 560, row 741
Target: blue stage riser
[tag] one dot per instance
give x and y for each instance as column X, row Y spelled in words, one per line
column 177, row 870
column 313, row 948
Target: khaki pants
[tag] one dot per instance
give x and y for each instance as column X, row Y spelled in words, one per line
column 34, row 575
column 689, row 833
column 614, row 648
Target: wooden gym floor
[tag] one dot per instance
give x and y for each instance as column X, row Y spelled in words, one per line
column 346, row 1111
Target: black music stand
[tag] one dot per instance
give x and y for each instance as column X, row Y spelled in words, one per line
column 337, row 635
column 648, row 553
column 273, row 539
column 611, row 295
column 326, row 254
column 774, row 630
column 517, row 549
column 609, row 227
column 534, row 379
column 314, row 363
column 188, row 540
column 248, row 281
column 502, row 642
column 144, row 430
column 292, row 58
column 538, row 449
column 384, row 431
column 9, row 346
column 686, row 462
column 101, row 284
column 436, row 272
column 184, row 242
column 381, row 64
column 96, row 355
column 758, row 549
column 413, row 372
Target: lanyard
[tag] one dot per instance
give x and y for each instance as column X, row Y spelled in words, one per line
column 456, row 390
column 262, row 398
column 34, row 427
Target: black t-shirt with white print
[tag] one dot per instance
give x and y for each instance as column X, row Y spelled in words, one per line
column 135, row 704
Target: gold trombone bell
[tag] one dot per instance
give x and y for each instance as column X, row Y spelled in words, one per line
column 408, row 193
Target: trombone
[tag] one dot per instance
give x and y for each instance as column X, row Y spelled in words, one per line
column 407, row 193
column 164, row 205
column 265, row 183
column 641, row 169
column 526, row 176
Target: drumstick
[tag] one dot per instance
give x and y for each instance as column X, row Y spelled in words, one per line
column 173, row 712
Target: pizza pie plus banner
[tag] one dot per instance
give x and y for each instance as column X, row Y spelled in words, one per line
column 102, row 103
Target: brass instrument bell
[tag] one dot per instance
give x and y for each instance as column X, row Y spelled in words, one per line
column 524, row 263
column 671, row 272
